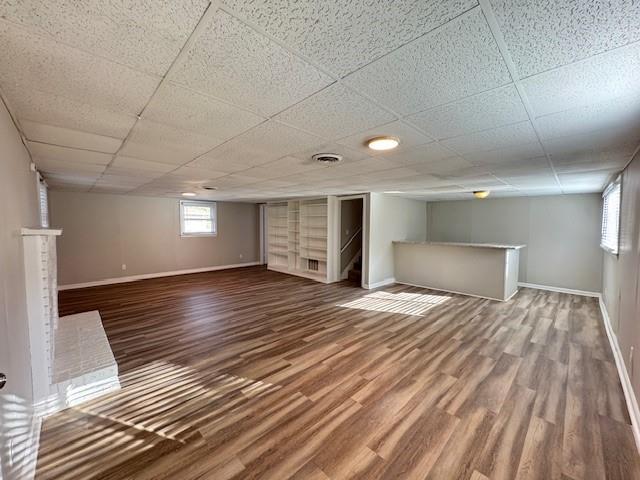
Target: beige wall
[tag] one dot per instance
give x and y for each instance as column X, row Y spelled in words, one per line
column 391, row 218
column 102, row 232
column 562, row 234
column 18, row 208
column 621, row 275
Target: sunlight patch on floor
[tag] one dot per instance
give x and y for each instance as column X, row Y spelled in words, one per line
column 404, row 303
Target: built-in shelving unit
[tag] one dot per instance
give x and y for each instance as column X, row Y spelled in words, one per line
column 278, row 236
column 299, row 237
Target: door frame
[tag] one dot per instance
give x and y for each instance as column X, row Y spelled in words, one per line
column 364, row 279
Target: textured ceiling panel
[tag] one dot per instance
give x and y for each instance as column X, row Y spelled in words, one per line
column 543, row 34
column 343, row 35
column 64, row 154
column 144, row 34
column 430, row 152
column 480, row 112
column 194, row 112
column 335, row 112
column 447, row 166
column 266, row 142
column 598, row 79
column 609, row 159
column 37, row 63
column 161, row 143
column 510, row 155
column 65, row 137
column 62, row 112
column 136, row 164
column 501, row 137
column 456, row 60
column 622, row 114
column 409, row 137
column 47, row 165
column 593, row 141
column 233, row 62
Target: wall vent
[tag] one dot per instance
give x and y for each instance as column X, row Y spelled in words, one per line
column 312, row 265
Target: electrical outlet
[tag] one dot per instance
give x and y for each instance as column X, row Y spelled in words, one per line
column 124, row 266
column 241, row 256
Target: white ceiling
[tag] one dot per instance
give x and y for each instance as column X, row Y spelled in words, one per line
column 157, row 97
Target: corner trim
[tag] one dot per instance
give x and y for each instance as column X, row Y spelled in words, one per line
column 583, row 293
column 629, row 395
column 382, row 283
column 145, row 276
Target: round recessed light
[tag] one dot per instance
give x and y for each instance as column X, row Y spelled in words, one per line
column 188, row 194
column 383, row 143
column 481, row 193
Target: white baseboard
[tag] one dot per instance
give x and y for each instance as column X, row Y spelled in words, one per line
column 382, row 283
column 145, row 276
column 629, row 395
column 583, row 293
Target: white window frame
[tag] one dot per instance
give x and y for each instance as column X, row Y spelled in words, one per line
column 214, row 218
column 611, row 199
column 43, row 204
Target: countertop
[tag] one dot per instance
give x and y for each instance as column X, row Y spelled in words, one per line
column 460, row 244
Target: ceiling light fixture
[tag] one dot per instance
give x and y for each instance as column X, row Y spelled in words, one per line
column 383, row 143
column 209, row 187
column 188, row 194
column 481, row 193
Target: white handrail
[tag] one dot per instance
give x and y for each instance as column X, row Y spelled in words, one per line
column 351, row 239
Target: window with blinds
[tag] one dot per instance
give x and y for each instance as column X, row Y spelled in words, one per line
column 43, row 201
column 611, row 218
column 197, row 218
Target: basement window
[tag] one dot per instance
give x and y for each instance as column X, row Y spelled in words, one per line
column 198, row 218
column 43, row 201
column 611, row 218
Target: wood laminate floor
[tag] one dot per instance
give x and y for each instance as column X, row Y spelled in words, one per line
column 250, row 374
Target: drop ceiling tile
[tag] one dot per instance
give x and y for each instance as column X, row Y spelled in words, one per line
column 188, row 110
column 335, row 112
column 192, row 174
column 65, row 137
column 594, row 80
column 530, row 166
column 148, row 175
column 131, row 163
column 121, row 181
column 409, row 137
column 64, row 154
column 596, row 179
column 622, row 114
column 429, row 152
column 486, row 110
column 546, row 33
column 493, row 139
column 233, row 62
column 458, row 59
column 509, row 155
column 31, row 62
column 615, row 159
column 266, row 142
column 540, row 180
column 86, row 179
column 442, row 167
column 145, row 34
column 46, row 165
column 162, row 143
column 109, row 188
column 593, row 141
column 344, row 35
column 291, row 165
column 62, row 112
column 367, row 165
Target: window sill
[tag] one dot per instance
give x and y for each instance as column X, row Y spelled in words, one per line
column 198, row 234
column 609, row 250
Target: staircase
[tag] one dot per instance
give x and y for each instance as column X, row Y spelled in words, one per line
column 355, row 274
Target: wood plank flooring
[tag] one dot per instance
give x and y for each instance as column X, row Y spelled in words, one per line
column 250, row 374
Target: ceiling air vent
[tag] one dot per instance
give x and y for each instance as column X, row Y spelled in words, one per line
column 327, row 158
column 209, row 187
